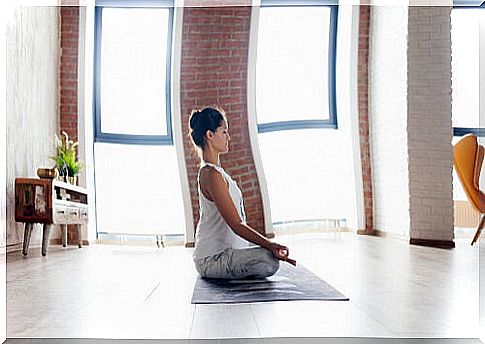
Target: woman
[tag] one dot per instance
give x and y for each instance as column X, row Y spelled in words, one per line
column 223, row 238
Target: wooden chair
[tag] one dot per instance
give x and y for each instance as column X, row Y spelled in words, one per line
column 468, row 159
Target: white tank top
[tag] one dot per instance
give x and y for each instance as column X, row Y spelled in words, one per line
column 213, row 234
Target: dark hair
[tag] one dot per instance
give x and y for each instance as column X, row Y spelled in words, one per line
column 209, row 118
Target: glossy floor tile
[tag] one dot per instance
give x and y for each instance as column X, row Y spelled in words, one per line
column 101, row 291
column 224, row 321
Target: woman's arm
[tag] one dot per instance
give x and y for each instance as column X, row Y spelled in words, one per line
column 214, row 184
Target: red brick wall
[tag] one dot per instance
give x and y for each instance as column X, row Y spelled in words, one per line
column 214, row 71
column 68, row 112
column 363, row 77
column 69, row 32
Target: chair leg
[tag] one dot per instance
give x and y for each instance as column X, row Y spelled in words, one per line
column 479, row 229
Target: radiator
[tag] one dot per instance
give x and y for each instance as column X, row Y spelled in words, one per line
column 465, row 214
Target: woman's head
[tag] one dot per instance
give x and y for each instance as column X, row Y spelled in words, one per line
column 208, row 126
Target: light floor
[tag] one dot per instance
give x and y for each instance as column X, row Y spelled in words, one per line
column 100, row 291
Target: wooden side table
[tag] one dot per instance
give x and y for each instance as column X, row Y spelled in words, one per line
column 50, row 202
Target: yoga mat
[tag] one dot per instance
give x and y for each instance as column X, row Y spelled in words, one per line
column 288, row 284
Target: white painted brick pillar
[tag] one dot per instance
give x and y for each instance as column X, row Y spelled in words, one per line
column 429, row 126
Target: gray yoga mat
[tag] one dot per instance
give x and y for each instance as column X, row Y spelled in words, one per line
column 288, row 284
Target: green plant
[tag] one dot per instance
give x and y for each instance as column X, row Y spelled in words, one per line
column 65, row 158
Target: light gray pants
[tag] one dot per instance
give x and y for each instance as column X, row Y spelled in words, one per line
column 232, row 263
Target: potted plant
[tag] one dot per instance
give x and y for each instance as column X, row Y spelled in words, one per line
column 66, row 159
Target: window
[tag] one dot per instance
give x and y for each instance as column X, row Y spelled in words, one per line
column 466, row 18
column 295, row 66
column 295, row 100
column 132, row 73
column 465, row 23
column 137, row 181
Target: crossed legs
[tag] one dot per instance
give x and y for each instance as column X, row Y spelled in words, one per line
column 239, row 263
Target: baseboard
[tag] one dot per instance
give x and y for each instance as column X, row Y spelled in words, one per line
column 380, row 233
column 412, row 241
column 15, row 247
column 368, row 232
column 447, row 244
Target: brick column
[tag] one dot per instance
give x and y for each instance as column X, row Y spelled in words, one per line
column 430, row 126
column 69, row 32
column 363, row 103
column 68, row 79
column 214, row 71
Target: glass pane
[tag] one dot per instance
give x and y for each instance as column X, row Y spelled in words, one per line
column 307, row 179
column 292, row 64
column 138, row 190
column 465, row 67
column 133, row 71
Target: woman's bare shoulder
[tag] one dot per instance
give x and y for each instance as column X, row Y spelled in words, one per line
column 208, row 175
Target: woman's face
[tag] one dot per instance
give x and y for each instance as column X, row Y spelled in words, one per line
column 221, row 138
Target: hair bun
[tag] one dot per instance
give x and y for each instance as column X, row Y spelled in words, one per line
column 194, row 118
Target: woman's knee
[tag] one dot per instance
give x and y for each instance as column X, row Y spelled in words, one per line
column 214, row 266
column 272, row 263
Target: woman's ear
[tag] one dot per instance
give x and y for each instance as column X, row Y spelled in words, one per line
column 209, row 134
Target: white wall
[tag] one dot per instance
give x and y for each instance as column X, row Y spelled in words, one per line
column 5, row 13
column 32, row 101
column 388, row 118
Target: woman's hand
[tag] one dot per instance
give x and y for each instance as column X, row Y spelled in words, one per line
column 281, row 252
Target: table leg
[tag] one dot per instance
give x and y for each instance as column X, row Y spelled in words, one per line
column 64, row 235
column 45, row 238
column 27, row 233
column 79, row 239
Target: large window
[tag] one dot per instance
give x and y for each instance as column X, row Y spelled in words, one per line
column 466, row 18
column 138, row 189
column 465, row 23
column 295, row 68
column 295, row 98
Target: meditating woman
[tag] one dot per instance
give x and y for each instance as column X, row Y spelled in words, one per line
column 222, row 241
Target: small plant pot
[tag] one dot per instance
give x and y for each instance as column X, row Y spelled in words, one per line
column 72, row 180
column 48, row 173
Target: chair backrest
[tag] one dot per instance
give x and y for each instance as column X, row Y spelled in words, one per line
column 465, row 153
